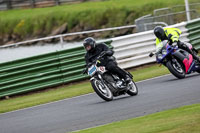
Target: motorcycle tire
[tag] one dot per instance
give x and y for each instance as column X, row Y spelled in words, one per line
column 198, row 71
column 133, row 90
column 103, row 92
column 174, row 70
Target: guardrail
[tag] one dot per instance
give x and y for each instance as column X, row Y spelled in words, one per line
column 67, row 34
column 194, row 33
column 66, row 66
column 148, row 22
column 133, row 50
column 42, row 71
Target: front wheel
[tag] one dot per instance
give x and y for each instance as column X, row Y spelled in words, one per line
column 176, row 69
column 102, row 90
column 133, row 90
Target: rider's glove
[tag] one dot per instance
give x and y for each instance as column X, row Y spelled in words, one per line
column 169, row 36
column 89, row 64
column 84, row 71
column 174, row 44
column 109, row 53
column 98, row 63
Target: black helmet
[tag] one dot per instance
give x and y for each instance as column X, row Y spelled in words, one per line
column 159, row 32
column 89, row 42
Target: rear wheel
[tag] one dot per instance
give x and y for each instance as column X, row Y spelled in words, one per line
column 102, row 90
column 133, row 90
column 176, row 69
column 198, row 71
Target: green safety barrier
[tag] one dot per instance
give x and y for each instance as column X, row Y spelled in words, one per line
column 194, row 33
column 42, row 71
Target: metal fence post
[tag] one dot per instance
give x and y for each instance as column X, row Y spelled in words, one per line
column 61, row 41
column 32, row 2
column 9, row 4
column 57, row 2
column 187, row 10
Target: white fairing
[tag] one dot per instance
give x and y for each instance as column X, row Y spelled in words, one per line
column 102, row 69
column 160, row 45
column 93, row 69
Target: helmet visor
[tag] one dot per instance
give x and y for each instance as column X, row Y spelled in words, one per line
column 87, row 47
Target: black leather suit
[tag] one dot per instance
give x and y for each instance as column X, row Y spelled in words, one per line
column 108, row 60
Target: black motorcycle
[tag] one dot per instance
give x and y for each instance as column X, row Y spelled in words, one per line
column 106, row 84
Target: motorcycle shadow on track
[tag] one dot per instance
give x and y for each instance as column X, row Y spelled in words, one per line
column 186, row 78
column 125, row 97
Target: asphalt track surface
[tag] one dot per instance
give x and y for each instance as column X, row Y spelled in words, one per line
column 89, row 110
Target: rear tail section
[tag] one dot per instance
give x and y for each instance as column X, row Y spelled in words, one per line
column 188, row 63
column 185, row 58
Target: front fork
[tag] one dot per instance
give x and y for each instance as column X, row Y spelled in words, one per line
column 99, row 76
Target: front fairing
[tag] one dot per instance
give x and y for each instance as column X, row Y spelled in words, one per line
column 163, row 51
column 93, row 69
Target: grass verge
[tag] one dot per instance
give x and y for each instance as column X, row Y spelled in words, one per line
column 140, row 73
column 180, row 120
column 26, row 23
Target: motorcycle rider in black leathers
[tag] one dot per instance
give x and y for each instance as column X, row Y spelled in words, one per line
column 94, row 50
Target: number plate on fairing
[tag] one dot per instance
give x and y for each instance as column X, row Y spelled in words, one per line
column 92, row 70
column 102, row 69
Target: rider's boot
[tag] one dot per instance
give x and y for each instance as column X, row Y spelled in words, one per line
column 196, row 58
column 185, row 47
column 193, row 54
column 128, row 79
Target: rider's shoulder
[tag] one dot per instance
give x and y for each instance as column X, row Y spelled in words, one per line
column 167, row 29
column 101, row 44
column 170, row 28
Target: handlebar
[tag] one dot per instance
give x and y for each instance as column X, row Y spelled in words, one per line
column 87, row 66
column 155, row 53
column 100, row 56
column 151, row 54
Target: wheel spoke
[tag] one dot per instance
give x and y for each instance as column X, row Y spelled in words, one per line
column 177, row 66
column 103, row 89
column 133, row 87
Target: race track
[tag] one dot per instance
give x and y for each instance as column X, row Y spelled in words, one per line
column 89, row 110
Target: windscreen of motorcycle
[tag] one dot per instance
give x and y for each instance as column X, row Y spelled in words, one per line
column 160, row 45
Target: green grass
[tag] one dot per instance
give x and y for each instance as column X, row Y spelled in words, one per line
column 72, row 90
column 181, row 120
column 142, row 73
column 88, row 15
